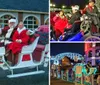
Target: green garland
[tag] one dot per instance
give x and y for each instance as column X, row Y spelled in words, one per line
column 84, row 71
column 90, row 72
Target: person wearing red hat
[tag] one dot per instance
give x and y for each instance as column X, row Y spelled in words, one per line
column 8, row 31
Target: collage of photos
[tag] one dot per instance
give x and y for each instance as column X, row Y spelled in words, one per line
column 74, row 42
column 50, row 42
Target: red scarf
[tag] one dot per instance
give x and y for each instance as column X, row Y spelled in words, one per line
column 90, row 8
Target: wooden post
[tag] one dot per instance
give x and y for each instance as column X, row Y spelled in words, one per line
column 67, row 76
column 62, row 75
column 93, row 56
column 20, row 16
column 75, row 80
column 42, row 19
column 82, row 81
column 92, row 81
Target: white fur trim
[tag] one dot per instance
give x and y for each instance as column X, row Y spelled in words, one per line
column 12, row 20
column 9, row 32
column 20, row 30
column 76, row 7
column 7, row 42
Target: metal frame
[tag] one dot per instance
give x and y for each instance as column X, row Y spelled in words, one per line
column 22, row 64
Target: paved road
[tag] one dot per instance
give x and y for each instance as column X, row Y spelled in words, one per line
column 59, row 82
column 40, row 79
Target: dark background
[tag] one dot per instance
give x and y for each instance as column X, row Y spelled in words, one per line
column 57, row 48
column 69, row 3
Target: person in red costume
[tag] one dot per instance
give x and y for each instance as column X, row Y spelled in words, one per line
column 7, row 31
column 20, row 39
column 60, row 23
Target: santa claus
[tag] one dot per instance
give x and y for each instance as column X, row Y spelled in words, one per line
column 7, row 31
column 20, row 39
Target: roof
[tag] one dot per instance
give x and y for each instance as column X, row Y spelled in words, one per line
column 26, row 5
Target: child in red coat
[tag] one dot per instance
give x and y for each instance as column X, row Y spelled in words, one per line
column 60, row 23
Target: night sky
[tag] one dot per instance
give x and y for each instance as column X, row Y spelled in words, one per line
column 57, row 48
column 82, row 3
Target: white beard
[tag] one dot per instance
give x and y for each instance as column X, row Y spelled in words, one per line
column 9, row 32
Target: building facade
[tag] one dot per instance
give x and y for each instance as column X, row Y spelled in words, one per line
column 31, row 15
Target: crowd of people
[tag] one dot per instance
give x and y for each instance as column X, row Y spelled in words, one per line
column 60, row 23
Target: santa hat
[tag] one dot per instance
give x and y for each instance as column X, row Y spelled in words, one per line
column 12, row 20
column 76, row 7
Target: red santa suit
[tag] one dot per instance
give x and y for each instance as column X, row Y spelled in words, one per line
column 16, row 47
column 8, row 31
column 5, row 30
column 60, row 24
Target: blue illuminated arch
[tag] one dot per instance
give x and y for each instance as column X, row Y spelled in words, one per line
column 68, row 55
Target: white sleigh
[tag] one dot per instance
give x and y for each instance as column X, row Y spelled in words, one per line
column 29, row 49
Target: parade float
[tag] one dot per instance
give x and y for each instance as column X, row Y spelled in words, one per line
column 63, row 65
column 78, row 69
column 31, row 56
column 87, row 32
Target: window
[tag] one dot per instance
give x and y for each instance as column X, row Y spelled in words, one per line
column 4, row 20
column 31, row 22
column 47, row 22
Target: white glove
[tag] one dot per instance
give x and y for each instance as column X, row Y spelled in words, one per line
column 18, row 40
